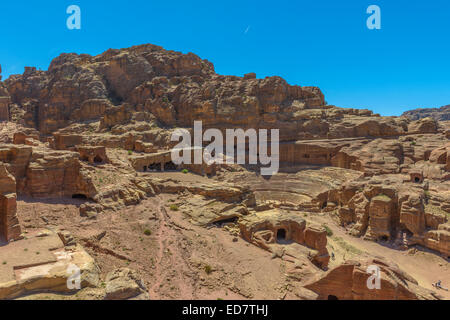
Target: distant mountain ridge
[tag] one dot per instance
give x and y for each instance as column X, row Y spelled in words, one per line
column 440, row 114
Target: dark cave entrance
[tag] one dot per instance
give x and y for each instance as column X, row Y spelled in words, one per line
column 154, row 167
column 417, row 180
column 332, row 297
column 170, row 166
column 98, row 159
column 281, row 235
column 324, row 205
column 79, row 196
column 145, row 169
column 222, row 222
column 384, row 238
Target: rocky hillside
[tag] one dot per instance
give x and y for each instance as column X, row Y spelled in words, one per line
column 87, row 179
column 440, row 114
column 167, row 89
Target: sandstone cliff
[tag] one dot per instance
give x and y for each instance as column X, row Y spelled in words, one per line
column 441, row 114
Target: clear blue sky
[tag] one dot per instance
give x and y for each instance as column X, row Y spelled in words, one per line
column 322, row 43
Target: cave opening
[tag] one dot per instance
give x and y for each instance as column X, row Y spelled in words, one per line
column 384, row 238
column 324, row 205
column 79, row 196
column 222, row 222
column 416, row 179
column 154, row 167
column 144, row 169
column 98, row 159
column 170, row 166
column 281, row 235
column 332, row 297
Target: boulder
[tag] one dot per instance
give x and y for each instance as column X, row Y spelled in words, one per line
column 124, row 283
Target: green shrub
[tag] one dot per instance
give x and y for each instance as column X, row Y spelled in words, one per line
column 147, row 232
column 329, row 231
column 185, row 171
column 347, row 247
column 173, row 207
column 208, row 269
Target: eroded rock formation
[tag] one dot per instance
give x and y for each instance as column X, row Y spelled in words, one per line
column 98, row 129
column 349, row 282
column 441, row 114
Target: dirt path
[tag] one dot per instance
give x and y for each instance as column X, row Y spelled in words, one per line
column 170, row 263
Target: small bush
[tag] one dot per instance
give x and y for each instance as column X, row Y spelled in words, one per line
column 147, row 232
column 130, row 152
column 185, row 171
column 347, row 247
column 329, row 231
column 208, row 269
column 174, row 207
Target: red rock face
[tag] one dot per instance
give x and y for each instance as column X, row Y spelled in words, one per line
column 349, row 281
column 441, row 114
column 93, row 155
column 179, row 89
column 4, row 101
column 41, row 172
column 269, row 227
column 9, row 224
column 4, row 108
